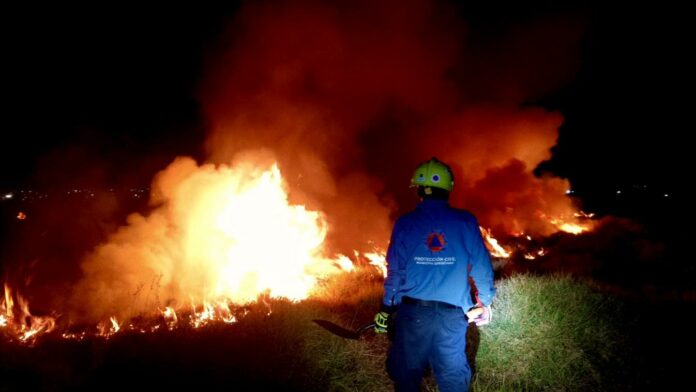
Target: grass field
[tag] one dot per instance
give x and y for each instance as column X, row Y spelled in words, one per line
column 550, row 333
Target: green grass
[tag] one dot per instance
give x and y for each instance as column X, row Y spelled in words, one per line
column 350, row 300
column 550, row 333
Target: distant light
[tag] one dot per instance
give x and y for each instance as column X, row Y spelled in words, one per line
column 8, row 196
column 21, row 216
column 618, row 192
column 666, row 194
column 570, row 192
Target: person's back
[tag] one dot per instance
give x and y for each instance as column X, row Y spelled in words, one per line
column 434, row 254
column 441, row 242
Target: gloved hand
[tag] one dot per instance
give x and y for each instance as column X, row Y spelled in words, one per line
column 480, row 315
column 381, row 322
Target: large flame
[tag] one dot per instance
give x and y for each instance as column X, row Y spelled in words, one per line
column 339, row 109
column 218, row 237
column 264, row 243
column 220, row 233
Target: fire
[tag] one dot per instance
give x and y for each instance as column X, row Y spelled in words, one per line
column 379, row 260
column 238, row 239
column 109, row 328
column 583, row 214
column 573, row 225
column 221, row 235
column 115, row 326
column 533, row 255
column 21, row 215
column 273, row 249
column 209, row 313
column 493, row 246
column 345, row 263
column 20, row 324
column 206, row 314
column 571, row 228
column 9, row 303
column 170, row 317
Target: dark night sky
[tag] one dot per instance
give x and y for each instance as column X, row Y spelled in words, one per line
column 118, row 85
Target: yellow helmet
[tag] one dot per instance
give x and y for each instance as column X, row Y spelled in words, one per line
column 435, row 174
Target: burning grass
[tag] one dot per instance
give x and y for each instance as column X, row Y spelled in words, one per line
column 548, row 333
column 273, row 345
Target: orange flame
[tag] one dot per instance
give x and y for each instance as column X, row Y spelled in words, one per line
column 533, row 255
column 170, row 317
column 239, row 238
column 345, row 263
column 22, row 325
column 109, row 328
column 571, row 228
column 579, row 223
column 276, row 244
column 221, row 234
column 8, row 304
column 115, row 326
column 493, row 246
column 379, row 260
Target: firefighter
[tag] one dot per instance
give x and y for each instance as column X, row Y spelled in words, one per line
column 436, row 260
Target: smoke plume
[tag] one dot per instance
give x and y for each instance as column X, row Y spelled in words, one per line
column 351, row 97
column 348, row 98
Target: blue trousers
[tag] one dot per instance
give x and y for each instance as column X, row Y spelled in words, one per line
column 429, row 336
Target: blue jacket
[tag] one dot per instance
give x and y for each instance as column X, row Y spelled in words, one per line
column 434, row 249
